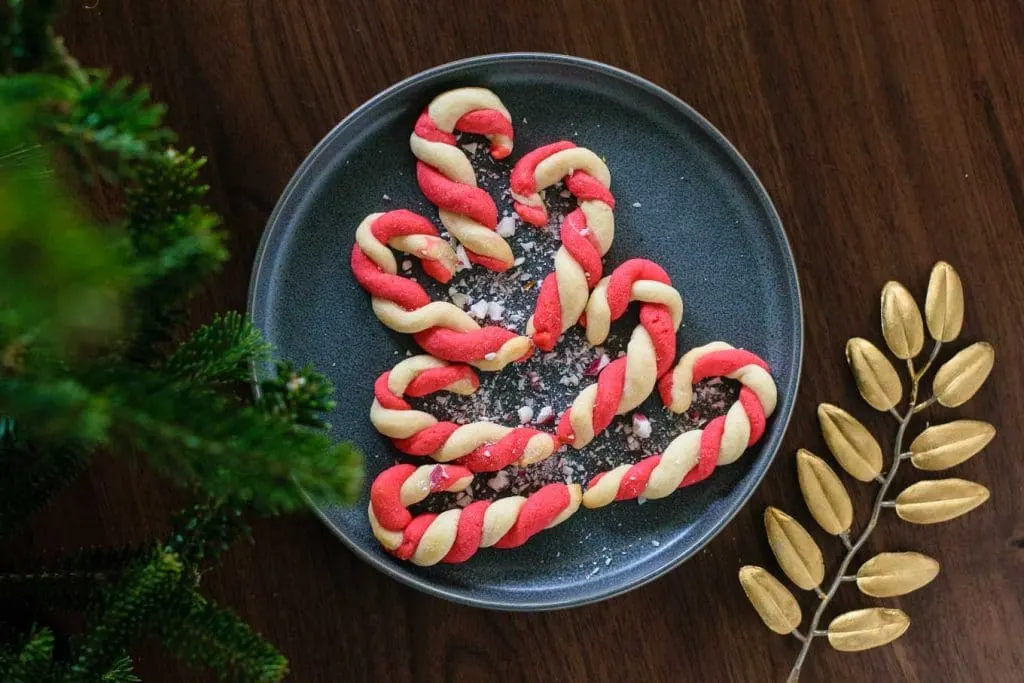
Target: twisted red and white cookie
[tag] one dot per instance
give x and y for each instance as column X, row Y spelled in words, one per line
column 455, row 535
column 441, row 328
column 478, row 446
column 447, row 178
column 693, row 455
column 586, row 233
column 625, row 382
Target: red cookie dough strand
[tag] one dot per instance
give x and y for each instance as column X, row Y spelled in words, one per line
column 400, row 223
column 456, row 197
column 466, row 347
column 537, row 513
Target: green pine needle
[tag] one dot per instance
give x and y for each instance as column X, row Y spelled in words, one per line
column 32, row 662
column 200, row 632
column 121, row 672
column 220, row 352
column 301, row 397
column 129, row 608
column 31, row 476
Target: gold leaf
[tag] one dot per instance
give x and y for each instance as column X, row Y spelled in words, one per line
column 944, row 446
column 887, row 575
column 776, row 606
column 863, row 629
column 944, row 303
column 851, row 443
column 961, row 376
column 876, row 378
column 797, row 553
column 902, row 326
column 939, row 500
column 824, row 493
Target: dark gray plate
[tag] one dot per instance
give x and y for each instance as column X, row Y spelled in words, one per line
column 686, row 198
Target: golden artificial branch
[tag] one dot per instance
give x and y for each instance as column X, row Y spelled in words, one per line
column 860, row 455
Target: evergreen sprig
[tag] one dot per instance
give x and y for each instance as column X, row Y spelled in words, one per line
column 88, row 313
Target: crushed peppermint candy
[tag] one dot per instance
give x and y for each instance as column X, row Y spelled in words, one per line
column 462, row 261
column 471, row 147
column 636, row 205
column 641, row 426
column 495, row 311
column 407, row 265
column 597, row 365
column 506, row 226
column 525, row 414
column 546, row 415
column 479, row 309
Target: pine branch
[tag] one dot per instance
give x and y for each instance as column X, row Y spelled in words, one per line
column 230, row 451
column 31, row 477
column 129, row 608
column 200, row 632
column 204, row 531
column 300, row 397
column 121, row 672
column 32, row 662
column 26, row 37
column 221, row 352
column 56, row 408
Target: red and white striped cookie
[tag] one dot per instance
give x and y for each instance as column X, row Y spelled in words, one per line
column 455, row 535
column 478, row 446
column 693, row 455
column 625, row 382
column 441, row 328
column 447, row 178
column 586, row 233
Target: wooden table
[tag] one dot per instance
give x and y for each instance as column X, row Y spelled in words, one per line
column 890, row 135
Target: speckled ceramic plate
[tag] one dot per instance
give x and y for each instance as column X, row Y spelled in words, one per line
column 686, row 198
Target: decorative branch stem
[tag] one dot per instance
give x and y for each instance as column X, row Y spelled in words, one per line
column 904, row 421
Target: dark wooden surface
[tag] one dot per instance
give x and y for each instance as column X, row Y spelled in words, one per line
column 889, row 134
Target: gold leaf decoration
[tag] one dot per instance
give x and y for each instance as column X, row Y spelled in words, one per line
column 944, row 303
column 876, row 378
column 824, row 493
column 863, row 629
column 940, row 500
column 776, row 606
column 887, row 575
column 944, row 446
column 961, row 376
column 797, row 553
column 850, row 442
column 902, row 326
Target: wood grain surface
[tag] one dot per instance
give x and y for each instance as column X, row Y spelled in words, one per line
column 890, row 135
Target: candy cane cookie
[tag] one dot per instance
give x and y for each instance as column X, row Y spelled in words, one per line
column 586, row 233
column 693, row 455
column 447, row 178
column 455, row 535
column 441, row 328
column 625, row 382
column 478, row 446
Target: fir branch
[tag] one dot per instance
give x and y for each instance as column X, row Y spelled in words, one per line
column 129, row 608
column 204, row 531
column 163, row 188
column 221, row 352
column 56, row 408
column 230, row 451
column 297, row 396
column 121, row 672
column 32, row 476
column 32, row 662
column 26, row 37
column 200, row 632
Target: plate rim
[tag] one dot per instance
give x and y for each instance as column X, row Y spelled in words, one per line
column 791, row 274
